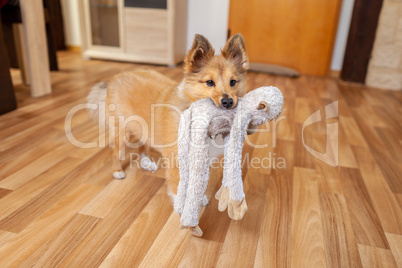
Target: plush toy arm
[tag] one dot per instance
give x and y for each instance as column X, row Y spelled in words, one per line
column 231, row 194
column 198, row 175
column 234, row 153
column 183, row 144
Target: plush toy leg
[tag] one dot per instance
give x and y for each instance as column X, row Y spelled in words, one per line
column 236, row 209
column 205, row 201
column 223, row 196
column 196, row 230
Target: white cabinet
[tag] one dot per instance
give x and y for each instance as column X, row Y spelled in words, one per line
column 148, row 31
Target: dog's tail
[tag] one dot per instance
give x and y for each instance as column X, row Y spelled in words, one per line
column 97, row 96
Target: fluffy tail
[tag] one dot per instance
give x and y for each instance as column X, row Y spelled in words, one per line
column 97, row 96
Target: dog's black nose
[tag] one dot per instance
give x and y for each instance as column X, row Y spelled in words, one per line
column 227, row 102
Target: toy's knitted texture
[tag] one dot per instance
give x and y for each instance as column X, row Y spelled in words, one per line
column 202, row 120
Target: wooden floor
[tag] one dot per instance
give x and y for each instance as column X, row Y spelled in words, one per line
column 59, row 205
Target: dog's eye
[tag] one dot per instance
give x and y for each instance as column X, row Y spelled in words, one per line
column 233, row 83
column 210, row 83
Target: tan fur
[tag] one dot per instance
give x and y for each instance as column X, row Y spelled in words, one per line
column 133, row 93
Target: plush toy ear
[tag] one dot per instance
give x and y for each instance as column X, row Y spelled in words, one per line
column 199, row 54
column 263, row 106
column 235, row 50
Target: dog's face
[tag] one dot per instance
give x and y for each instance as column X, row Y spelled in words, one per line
column 222, row 77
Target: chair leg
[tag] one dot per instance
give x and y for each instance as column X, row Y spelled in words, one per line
column 20, row 50
column 7, row 96
column 35, row 38
column 51, row 48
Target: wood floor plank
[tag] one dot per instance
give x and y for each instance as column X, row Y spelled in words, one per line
column 169, row 246
column 392, row 141
column 352, row 131
column 373, row 120
column 384, row 202
column 25, row 158
column 275, row 239
column 136, row 241
column 345, row 157
column 111, row 195
column 376, row 257
column 285, row 128
column 97, row 245
column 103, row 176
column 262, row 157
column 395, row 242
column 16, row 251
column 18, row 198
column 352, row 95
column 195, row 255
column 399, row 199
column 302, row 157
column 390, row 115
column 4, row 192
column 285, row 155
column 240, row 245
column 5, row 237
column 288, row 87
column 17, row 147
column 24, row 128
column 42, row 125
column 366, row 225
column 79, row 118
column 320, row 88
column 56, row 249
column 304, row 110
column 340, row 242
column 329, row 180
column 387, row 164
column 41, row 164
column 14, row 120
column 332, row 89
column 343, row 108
column 307, row 232
column 380, row 97
column 302, row 81
column 19, row 219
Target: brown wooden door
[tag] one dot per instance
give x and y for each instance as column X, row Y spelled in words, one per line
column 293, row 33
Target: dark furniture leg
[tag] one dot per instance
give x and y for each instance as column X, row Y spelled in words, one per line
column 7, row 96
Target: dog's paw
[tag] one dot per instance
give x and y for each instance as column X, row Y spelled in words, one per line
column 205, row 201
column 194, row 230
column 148, row 164
column 119, row 175
column 236, row 209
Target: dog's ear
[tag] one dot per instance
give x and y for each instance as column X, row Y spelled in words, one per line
column 199, row 54
column 235, row 50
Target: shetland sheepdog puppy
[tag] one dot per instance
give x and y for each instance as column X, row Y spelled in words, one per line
column 154, row 102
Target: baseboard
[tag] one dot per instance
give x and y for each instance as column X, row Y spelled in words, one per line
column 335, row 74
column 74, row 48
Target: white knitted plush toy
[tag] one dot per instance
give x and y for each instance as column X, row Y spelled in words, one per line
column 202, row 121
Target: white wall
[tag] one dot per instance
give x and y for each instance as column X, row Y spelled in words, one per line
column 72, row 30
column 209, row 18
column 342, row 35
